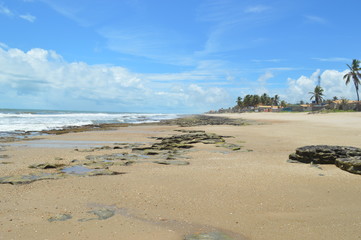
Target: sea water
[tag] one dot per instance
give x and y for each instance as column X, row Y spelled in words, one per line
column 20, row 120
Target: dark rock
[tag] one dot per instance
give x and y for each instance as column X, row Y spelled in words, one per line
column 26, row 179
column 231, row 146
column 6, row 162
column 351, row 164
column 172, row 162
column 199, row 120
column 345, row 157
column 46, row 165
column 323, row 154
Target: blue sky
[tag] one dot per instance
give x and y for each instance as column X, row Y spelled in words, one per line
column 186, row 56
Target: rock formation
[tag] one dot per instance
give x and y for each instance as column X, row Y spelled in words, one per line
column 344, row 157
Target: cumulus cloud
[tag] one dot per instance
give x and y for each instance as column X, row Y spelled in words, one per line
column 42, row 78
column 331, row 81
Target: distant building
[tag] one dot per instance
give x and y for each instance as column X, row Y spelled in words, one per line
column 265, row 108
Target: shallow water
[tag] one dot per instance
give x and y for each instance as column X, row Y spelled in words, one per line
column 45, row 143
column 77, row 169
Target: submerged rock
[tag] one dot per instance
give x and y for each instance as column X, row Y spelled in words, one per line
column 208, row 236
column 80, row 170
column 65, row 172
column 25, row 179
column 102, row 214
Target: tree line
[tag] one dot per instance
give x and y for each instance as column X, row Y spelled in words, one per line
column 255, row 100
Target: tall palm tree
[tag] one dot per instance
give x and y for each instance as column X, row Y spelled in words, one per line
column 354, row 74
column 317, row 94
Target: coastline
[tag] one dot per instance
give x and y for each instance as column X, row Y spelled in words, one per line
column 248, row 194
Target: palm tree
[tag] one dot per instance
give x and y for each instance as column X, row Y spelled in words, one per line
column 265, row 99
column 239, row 102
column 276, row 100
column 354, row 74
column 317, row 94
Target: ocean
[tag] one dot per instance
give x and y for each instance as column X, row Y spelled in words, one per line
column 17, row 121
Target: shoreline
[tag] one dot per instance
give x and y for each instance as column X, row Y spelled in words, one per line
column 249, row 193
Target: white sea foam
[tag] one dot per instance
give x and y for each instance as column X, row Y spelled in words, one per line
column 11, row 121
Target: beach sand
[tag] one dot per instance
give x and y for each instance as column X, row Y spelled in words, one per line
column 253, row 193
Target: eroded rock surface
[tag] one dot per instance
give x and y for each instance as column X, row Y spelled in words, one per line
column 323, row 154
column 351, row 164
column 169, row 151
column 345, row 157
column 199, row 120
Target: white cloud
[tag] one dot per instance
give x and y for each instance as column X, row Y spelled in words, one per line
column 333, row 59
column 263, row 78
column 42, row 78
column 9, row 13
column 331, row 81
column 3, row 45
column 5, row 11
column 28, row 17
column 262, row 81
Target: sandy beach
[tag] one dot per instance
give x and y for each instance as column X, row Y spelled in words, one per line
column 251, row 193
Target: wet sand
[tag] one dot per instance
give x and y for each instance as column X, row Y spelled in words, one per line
column 248, row 194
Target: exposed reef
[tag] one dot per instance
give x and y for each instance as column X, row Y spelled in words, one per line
column 199, row 120
column 166, row 151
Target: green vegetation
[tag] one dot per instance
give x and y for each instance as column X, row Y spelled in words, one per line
column 317, row 94
column 354, row 74
column 255, row 100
